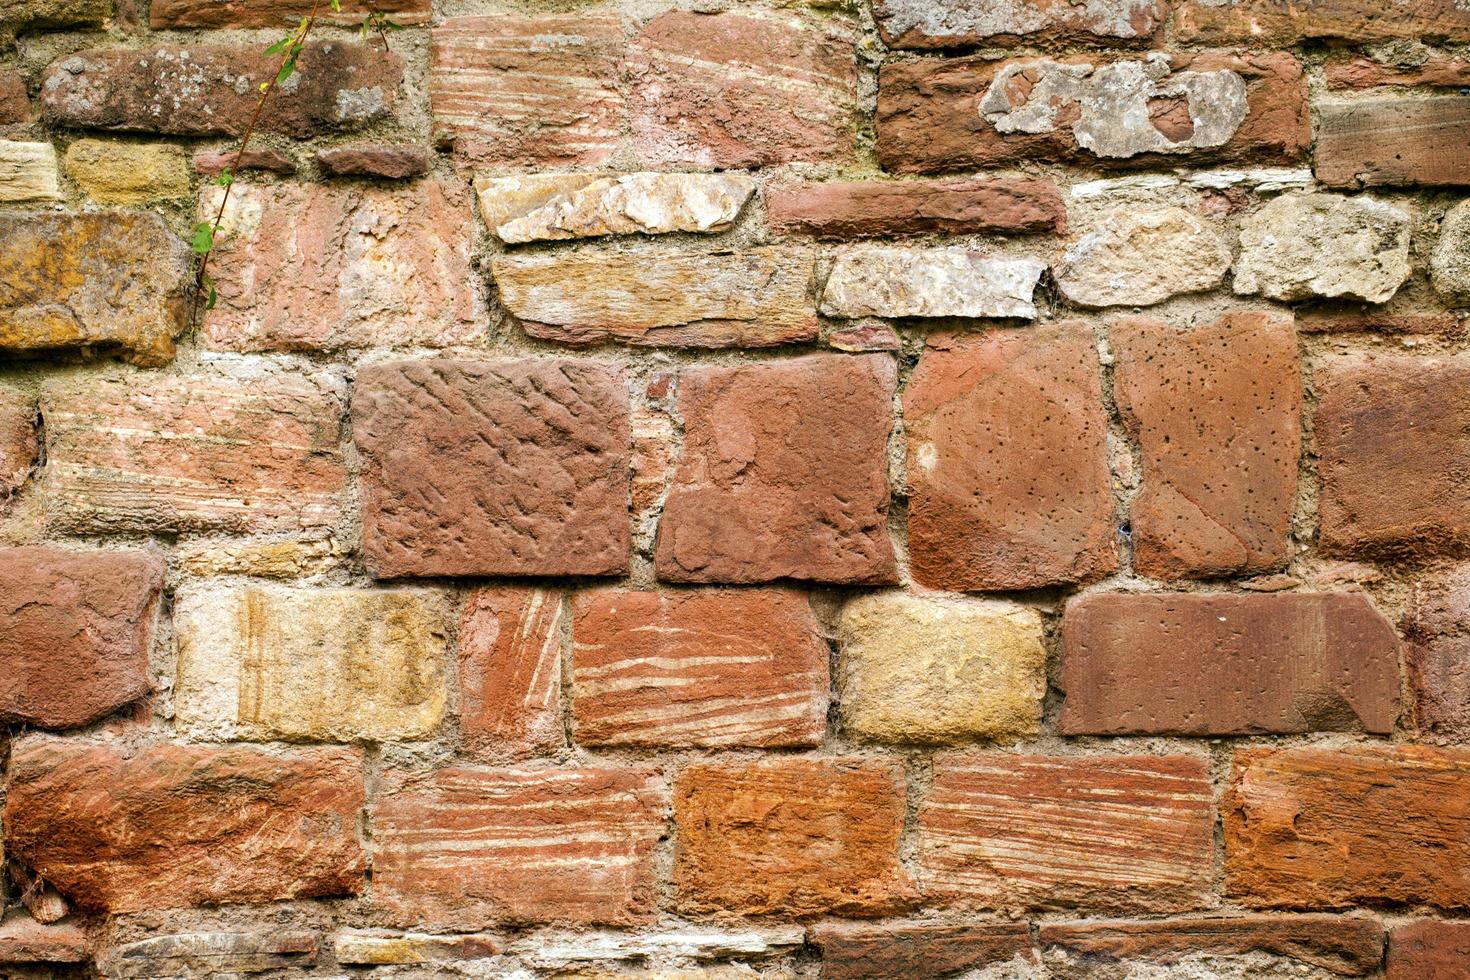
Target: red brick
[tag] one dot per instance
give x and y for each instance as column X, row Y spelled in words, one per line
column 783, row 474
column 1394, row 142
column 1344, row 945
column 1195, row 664
column 916, row 951
column 258, row 451
column 15, row 104
column 170, row 826
column 1364, row 73
column 510, row 672
column 209, row 89
column 165, row 14
column 1216, row 414
column 928, row 119
column 1007, row 461
column 18, row 444
column 529, row 91
column 965, row 23
column 211, row 162
column 865, row 208
column 1436, row 627
column 329, row 266
column 1429, row 950
column 24, row 940
column 1110, row 833
column 513, row 467
column 698, row 669
column 1402, row 813
column 796, row 837
column 1373, row 321
column 395, row 161
column 76, row 628
column 1393, row 441
column 467, row 848
column 730, row 91
column 1271, row 23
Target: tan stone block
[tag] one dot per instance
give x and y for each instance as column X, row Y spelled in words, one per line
column 265, row 559
column 111, row 172
column 559, row 206
column 28, row 172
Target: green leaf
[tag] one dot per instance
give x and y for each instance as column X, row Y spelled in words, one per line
column 225, row 178
column 390, row 24
column 213, row 296
column 336, row 6
column 279, row 46
column 288, row 68
column 203, row 242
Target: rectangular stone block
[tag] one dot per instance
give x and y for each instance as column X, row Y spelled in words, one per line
column 867, row 208
column 1436, row 71
column 697, row 669
column 510, row 676
column 210, row 953
column 859, row 951
column 169, row 14
column 1394, row 142
column 253, row 451
column 1436, row 630
column 118, row 172
column 1276, row 24
column 28, row 172
column 18, row 443
column 559, row 951
column 1109, row 833
column 20, row 15
column 925, row 24
column 15, row 102
column 1428, row 950
column 24, row 940
column 930, row 282
column 381, row 947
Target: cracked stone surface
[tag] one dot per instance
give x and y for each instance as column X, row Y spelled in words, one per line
column 534, row 208
column 961, row 23
column 1134, row 257
column 1301, row 246
column 1449, row 267
column 930, row 282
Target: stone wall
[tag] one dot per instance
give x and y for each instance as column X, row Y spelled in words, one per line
column 728, row 490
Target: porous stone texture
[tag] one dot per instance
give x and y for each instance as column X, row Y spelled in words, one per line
column 755, row 298
column 701, row 668
column 510, row 673
column 554, row 207
column 1449, row 266
column 859, row 951
column 1383, row 493
column 395, row 162
column 1007, row 466
column 111, row 280
column 1266, row 22
column 76, row 628
column 1215, row 411
column 237, row 824
column 1366, row 73
column 1428, row 950
column 868, row 208
column 1199, row 664
column 324, row 267
column 1136, row 257
column 18, row 444
column 1109, row 833
column 381, row 947
column 510, row 467
column 964, row 23
column 783, row 473
column 276, row 13
column 560, row 950
column 28, row 172
column 23, row 15
column 254, row 451
column 15, row 102
column 1290, row 815
column 312, row 665
column 931, row 670
column 798, row 837
column 113, row 172
column 187, row 954
column 1436, row 627
column 204, row 90
column 1301, row 246
column 1394, row 142
column 464, row 848
column 929, row 282
column 24, row 940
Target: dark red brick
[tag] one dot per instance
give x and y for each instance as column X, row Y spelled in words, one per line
column 861, row 209
column 916, row 950
column 1429, row 950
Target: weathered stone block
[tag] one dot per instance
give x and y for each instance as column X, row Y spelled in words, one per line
column 865, row 208
column 24, row 940
column 965, row 23
column 209, row 953
column 166, row 14
column 112, row 172
column 510, row 645
column 18, row 443
column 1449, row 267
column 28, row 172
column 1436, row 625
column 380, row 947
column 1301, row 246
column 27, row 15
column 1428, row 950
column 1267, row 22
column 368, row 159
column 930, row 282
column 1138, row 257
column 552, row 207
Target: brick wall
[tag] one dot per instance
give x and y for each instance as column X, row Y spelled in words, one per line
column 786, row 488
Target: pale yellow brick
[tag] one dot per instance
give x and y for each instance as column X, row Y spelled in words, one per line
column 112, row 172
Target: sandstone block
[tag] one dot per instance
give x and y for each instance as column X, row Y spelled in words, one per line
column 1301, row 246
column 15, row 102
column 1449, row 267
column 1007, row 465
column 510, row 642
column 1365, row 73
column 859, row 951
column 553, row 207
column 208, row 953
column 111, row 172
column 1138, row 257
column 1436, row 625
column 212, row 162
column 755, row 298
column 866, row 208
column 965, row 23
column 932, row 670
column 25, row 15
column 1108, row 833
column 703, row 668
column 380, row 947
column 794, row 837
column 76, row 628
column 393, row 161
column 1428, row 950
column 251, row 452
column 929, row 282
column 558, row 951
column 28, row 172
column 237, row 824
column 262, row 559
column 24, row 940
column 783, row 473
column 18, row 443
column 166, row 14
column 1267, row 23
column 512, row 467
column 1394, row 142
column 112, row 280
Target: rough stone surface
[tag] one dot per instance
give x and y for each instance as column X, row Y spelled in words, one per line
column 390, row 160
column 313, row 665
column 1301, row 246
column 203, row 90
column 15, row 103
column 1436, row 625
column 512, row 467
column 866, row 208
column 262, row 559
column 1111, row 833
column 1428, row 950
column 551, row 207
column 510, row 673
column 919, row 669
column 518, row 90
column 212, row 162
column 918, row 950
column 729, row 91
column 1402, row 812
column 1007, row 467
column 312, row 267
column 697, row 669
column 797, row 837
column 755, row 298
column 964, row 23
column 24, row 940
column 783, row 473
column 76, row 628
column 963, row 113
column 929, row 282
column 112, row 172
column 1216, row 413
column 18, row 444
column 193, row 953
column 1268, row 22
column 466, row 848
column 1195, row 664
column 1449, row 267
column 28, row 172
column 1366, row 73
column 1138, row 257
column 111, row 280
column 165, row 14
column 28, row 15
column 236, row 824
column 1394, row 142
column 559, row 950
column 380, row 947
column 255, row 451
column 1393, row 440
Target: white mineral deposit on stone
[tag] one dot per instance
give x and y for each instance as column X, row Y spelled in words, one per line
column 641, row 203
column 1265, row 179
column 1115, row 185
column 690, row 943
column 1303, row 245
column 930, row 282
column 986, row 18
